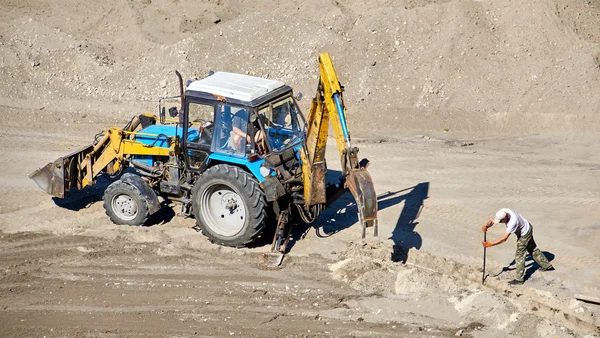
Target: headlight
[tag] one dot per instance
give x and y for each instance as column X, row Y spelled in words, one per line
column 265, row 171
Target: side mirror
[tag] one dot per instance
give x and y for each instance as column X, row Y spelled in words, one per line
column 299, row 97
column 188, row 83
column 172, row 111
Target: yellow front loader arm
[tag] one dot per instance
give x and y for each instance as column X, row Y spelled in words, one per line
column 328, row 105
column 81, row 168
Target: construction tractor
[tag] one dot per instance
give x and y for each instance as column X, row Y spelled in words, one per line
column 237, row 155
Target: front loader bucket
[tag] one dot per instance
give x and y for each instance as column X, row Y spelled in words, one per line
column 361, row 186
column 58, row 177
column 50, row 178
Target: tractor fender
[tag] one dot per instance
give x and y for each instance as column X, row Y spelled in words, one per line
column 145, row 190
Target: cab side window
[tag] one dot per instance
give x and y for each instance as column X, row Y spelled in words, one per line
column 200, row 120
column 199, row 133
column 232, row 128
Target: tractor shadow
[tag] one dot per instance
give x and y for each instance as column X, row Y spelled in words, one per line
column 84, row 198
column 404, row 235
column 164, row 215
column 343, row 213
column 530, row 265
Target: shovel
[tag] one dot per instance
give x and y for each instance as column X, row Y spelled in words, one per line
column 484, row 251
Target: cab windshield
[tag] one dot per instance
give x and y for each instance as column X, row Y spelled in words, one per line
column 282, row 122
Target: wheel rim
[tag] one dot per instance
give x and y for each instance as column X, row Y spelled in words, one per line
column 223, row 210
column 124, row 207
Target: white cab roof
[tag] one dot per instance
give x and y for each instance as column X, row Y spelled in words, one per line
column 235, row 86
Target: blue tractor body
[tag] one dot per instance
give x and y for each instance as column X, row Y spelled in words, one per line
column 156, row 135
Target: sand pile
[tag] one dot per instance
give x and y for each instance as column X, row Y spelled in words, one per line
column 412, row 66
column 368, row 267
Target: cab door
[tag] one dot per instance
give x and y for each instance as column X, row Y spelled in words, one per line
column 198, row 134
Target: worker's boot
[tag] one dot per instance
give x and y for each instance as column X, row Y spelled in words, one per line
column 515, row 282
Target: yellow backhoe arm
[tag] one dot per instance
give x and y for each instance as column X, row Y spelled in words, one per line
column 327, row 105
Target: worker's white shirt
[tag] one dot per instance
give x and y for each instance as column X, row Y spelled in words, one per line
column 516, row 224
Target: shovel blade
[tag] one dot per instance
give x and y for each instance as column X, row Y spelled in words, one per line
column 274, row 260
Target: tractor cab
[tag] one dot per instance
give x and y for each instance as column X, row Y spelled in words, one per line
column 238, row 118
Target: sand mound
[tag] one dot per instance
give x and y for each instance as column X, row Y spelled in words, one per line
column 414, row 66
column 369, row 267
column 414, row 281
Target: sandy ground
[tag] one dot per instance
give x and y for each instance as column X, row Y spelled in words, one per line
column 67, row 270
column 462, row 106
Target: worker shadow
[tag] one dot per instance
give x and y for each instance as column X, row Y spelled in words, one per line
column 404, row 235
column 530, row 265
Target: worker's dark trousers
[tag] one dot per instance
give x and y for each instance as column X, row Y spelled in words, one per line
column 526, row 244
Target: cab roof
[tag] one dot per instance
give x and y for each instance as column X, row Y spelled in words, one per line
column 243, row 88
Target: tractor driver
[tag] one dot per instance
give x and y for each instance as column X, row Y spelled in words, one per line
column 239, row 128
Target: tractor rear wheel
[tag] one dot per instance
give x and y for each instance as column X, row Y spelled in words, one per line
column 124, row 204
column 229, row 206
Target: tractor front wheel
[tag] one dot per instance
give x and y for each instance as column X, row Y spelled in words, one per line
column 124, row 204
column 229, row 206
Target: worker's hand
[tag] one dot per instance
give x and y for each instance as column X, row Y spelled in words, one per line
column 486, row 244
column 484, row 228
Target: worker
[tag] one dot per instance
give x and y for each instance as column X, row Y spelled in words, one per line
column 518, row 225
column 239, row 134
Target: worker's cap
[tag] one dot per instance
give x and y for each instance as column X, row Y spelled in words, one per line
column 500, row 215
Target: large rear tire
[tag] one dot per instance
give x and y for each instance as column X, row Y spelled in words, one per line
column 229, row 206
column 124, row 204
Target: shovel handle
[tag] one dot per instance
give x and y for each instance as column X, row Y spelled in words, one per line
column 484, row 251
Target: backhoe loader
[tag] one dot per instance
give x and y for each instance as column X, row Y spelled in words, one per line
column 237, row 155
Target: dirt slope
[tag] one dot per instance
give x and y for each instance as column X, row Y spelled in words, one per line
column 472, row 67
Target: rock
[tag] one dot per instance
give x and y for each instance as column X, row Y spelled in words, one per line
column 163, row 83
column 214, row 18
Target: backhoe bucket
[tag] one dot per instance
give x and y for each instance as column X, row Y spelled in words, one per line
column 58, row 177
column 361, row 186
